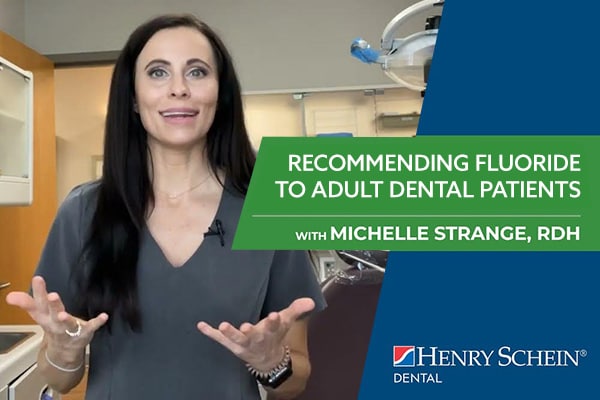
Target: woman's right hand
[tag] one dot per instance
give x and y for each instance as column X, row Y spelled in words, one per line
column 65, row 341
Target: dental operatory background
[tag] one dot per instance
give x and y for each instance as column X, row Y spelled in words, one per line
column 310, row 68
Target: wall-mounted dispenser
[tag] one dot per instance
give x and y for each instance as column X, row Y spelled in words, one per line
column 397, row 120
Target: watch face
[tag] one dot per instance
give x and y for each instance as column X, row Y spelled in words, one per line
column 277, row 378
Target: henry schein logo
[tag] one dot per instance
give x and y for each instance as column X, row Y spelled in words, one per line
column 404, row 356
column 424, row 362
column 504, row 356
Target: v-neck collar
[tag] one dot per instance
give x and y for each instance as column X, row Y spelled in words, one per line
column 219, row 214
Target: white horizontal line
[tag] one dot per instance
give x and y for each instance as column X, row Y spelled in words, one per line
column 416, row 216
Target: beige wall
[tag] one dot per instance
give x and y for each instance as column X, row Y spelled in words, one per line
column 80, row 103
column 355, row 112
column 272, row 115
column 81, row 95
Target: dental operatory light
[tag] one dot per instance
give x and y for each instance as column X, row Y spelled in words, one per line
column 405, row 60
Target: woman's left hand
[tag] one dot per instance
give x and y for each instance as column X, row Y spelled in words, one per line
column 260, row 345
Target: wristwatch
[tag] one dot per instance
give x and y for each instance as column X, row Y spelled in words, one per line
column 277, row 375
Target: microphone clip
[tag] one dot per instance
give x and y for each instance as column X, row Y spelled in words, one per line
column 219, row 231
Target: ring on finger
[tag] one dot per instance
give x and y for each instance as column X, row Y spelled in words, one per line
column 77, row 331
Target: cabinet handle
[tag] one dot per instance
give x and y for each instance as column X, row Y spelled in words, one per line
column 4, row 285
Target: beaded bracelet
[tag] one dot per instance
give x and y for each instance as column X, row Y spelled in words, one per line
column 264, row 374
column 58, row 367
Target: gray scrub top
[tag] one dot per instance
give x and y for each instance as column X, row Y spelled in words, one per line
column 170, row 358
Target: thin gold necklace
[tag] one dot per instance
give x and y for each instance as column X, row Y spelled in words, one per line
column 172, row 196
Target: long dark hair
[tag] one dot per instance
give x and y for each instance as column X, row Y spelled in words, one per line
column 107, row 278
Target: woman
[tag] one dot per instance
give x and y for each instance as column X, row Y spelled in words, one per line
column 150, row 244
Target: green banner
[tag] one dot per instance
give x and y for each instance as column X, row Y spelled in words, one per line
column 513, row 193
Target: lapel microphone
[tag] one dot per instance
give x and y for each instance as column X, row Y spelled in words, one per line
column 219, row 231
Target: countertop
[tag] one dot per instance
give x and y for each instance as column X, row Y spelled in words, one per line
column 21, row 357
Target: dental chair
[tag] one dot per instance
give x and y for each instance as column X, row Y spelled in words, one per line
column 338, row 337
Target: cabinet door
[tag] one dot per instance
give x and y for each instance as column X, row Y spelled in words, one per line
column 4, row 393
column 16, row 134
column 28, row 386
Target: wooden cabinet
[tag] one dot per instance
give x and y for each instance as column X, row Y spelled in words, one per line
column 16, row 134
column 23, row 230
